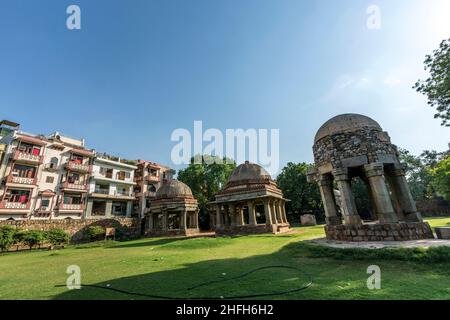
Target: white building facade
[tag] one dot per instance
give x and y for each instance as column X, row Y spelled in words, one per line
column 111, row 189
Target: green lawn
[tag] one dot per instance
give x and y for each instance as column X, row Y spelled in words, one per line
column 169, row 266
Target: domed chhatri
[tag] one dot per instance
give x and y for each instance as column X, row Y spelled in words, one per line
column 173, row 189
column 174, row 211
column 250, row 202
column 353, row 145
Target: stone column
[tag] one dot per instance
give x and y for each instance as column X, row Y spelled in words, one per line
column 406, row 206
column 150, row 222
column 375, row 175
column 280, row 211
column 283, row 211
column 183, row 219
column 349, row 210
column 218, row 222
column 268, row 212
column 108, row 209
column 165, row 222
column 329, row 203
column 241, row 221
column 232, row 212
column 251, row 213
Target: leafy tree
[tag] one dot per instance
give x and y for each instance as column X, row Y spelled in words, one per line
column 441, row 178
column 304, row 196
column 437, row 86
column 57, row 236
column 206, row 176
column 6, row 237
column 33, row 238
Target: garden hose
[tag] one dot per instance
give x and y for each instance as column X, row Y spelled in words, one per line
column 256, row 295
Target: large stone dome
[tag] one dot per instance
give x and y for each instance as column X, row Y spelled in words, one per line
column 174, row 189
column 345, row 123
column 249, row 172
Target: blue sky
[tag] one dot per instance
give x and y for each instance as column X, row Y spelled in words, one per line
column 139, row 69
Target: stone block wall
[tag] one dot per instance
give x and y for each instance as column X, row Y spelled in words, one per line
column 380, row 232
column 130, row 227
column 369, row 143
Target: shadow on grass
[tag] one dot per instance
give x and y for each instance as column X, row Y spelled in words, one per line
column 203, row 276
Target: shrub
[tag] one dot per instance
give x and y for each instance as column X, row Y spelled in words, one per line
column 7, row 237
column 57, row 236
column 96, row 232
column 33, row 237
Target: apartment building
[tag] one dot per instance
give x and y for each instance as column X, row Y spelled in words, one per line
column 43, row 177
column 149, row 177
column 111, row 188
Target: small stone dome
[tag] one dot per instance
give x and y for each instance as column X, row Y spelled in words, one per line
column 249, row 172
column 346, row 123
column 174, row 189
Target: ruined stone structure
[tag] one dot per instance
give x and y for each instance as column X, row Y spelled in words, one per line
column 249, row 203
column 173, row 212
column 352, row 145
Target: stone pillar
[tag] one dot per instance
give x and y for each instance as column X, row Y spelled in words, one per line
column 165, row 222
column 183, row 219
column 240, row 221
column 251, row 213
column 268, row 212
column 329, row 203
column 150, row 222
column 218, row 222
column 232, row 212
column 406, row 206
column 280, row 211
column 283, row 211
column 349, row 210
column 375, row 175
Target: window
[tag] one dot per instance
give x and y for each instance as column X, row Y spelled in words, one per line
column 21, row 196
column 151, row 188
column 120, row 175
column 53, row 163
column 45, row 203
column 73, row 177
column 72, row 199
column 76, row 158
column 23, row 171
column 49, row 179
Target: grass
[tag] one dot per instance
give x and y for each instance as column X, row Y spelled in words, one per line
column 168, row 267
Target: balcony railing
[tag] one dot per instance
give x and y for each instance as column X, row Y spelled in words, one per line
column 27, row 157
column 80, row 167
column 101, row 191
column 21, row 180
column 14, row 205
column 151, row 178
column 124, row 194
column 75, row 186
column 66, row 206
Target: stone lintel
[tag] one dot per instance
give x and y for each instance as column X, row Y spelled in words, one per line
column 354, row 161
column 341, row 174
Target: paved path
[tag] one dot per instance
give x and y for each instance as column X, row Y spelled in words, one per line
column 382, row 244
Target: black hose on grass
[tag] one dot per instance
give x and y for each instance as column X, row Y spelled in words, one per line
column 256, row 295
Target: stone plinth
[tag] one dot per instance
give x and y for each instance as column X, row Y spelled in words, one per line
column 380, row 232
column 443, row 232
column 253, row 229
column 308, row 220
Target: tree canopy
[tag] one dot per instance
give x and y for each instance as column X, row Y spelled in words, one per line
column 206, row 178
column 437, row 86
column 304, row 196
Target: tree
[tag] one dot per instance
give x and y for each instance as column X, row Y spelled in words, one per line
column 304, row 196
column 6, row 237
column 206, row 178
column 441, row 178
column 437, row 86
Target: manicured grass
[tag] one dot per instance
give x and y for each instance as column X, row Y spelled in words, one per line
column 168, row 267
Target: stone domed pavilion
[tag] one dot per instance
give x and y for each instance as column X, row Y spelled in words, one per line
column 353, row 145
column 250, row 202
column 174, row 211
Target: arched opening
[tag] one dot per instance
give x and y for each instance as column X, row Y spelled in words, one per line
column 260, row 214
column 363, row 198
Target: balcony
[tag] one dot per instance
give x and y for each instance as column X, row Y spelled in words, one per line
column 21, row 180
column 151, row 178
column 79, row 167
column 27, row 157
column 15, row 205
column 101, row 191
column 150, row 194
column 71, row 207
column 75, row 186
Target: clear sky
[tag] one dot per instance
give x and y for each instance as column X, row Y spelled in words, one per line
column 139, row 69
